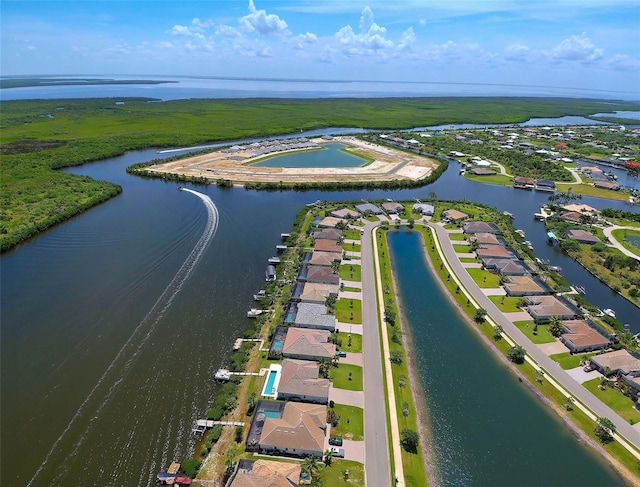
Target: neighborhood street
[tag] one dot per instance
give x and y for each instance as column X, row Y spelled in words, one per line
column 377, row 461
column 561, row 376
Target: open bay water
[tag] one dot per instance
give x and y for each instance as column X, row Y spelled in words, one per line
column 487, row 428
column 73, row 296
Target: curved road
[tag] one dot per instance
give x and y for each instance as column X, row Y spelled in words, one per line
column 570, row 385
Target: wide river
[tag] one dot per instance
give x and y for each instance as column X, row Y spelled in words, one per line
column 111, row 328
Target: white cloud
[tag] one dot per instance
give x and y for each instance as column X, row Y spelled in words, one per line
column 624, row 62
column 195, row 29
column 407, row 39
column 228, row 31
column 303, row 41
column 577, row 48
column 366, row 19
column 263, row 23
column 516, row 52
column 422, row 22
column 371, row 38
column 181, row 30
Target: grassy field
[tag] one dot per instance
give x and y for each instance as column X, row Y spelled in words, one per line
column 351, row 424
column 457, row 237
column 484, row 278
column 356, row 342
column 83, row 130
column 462, row 248
column 588, row 190
column 340, row 377
column 541, row 336
column 468, row 259
column 506, row 304
column 499, row 179
column 617, row 401
column 351, row 272
column 349, row 310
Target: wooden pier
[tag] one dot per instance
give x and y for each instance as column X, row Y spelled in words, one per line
column 202, row 425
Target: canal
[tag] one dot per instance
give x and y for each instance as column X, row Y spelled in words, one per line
column 100, row 382
column 487, row 428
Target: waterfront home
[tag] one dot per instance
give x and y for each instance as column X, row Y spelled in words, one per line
column 392, row 208
column 308, row 344
column 328, row 234
column 314, row 315
column 570, row 216
column 610, row 185
column 424, row 209
column 314, row 292
column 368, row 207
column 525, row 286
column 586, row 209
column 583, row 236
column 523, row 182
column 482, row 238
column 506, row 267
column 324, row 258
column 299, row 432
column 582, row 336
column 265, row 473
column 545, row 185
column 545, row 307
column 328, row 222
column 325, row 245
column 345, row 213
column 494, row 251
column 619, row 362
column 319, row 274
column 300, row 381
column 454, row 215
column 480, row 227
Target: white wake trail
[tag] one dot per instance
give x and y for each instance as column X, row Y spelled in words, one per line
column 130, row 350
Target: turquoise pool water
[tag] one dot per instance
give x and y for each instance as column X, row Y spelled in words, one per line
column 278, row 343
column 329, row 155
column 270, row 381
column 272, row 414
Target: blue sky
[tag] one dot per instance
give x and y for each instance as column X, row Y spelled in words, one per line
column 589, row 44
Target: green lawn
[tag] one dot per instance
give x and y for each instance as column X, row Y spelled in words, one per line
column 351, row 272
column 506, row 304
column 335, row 474
column 617, row 401
column 351, row 234
column 461, row 248
column 340, row 377
column 458, row 236
column 542, row 336
column 351, row 247
column 490, row 179
column 349, row 310
column 484, row 278
column 588, row 190
column 356, row 342
column 620, row 235
column 351, row 425
column 569, row 361
column 469, row 259
column 352, row 289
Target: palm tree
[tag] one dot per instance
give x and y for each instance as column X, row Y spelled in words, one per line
column 327, row 457
column 310, row 465
column 555, row 326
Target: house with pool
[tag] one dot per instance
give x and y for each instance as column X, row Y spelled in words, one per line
column 300, row 380
column 308, row 344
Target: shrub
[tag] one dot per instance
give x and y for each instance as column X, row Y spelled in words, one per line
column 409, row 440
column 190, row 467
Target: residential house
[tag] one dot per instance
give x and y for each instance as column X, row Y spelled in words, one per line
column 345, row 213
column 324, row 245
column 570, row 216
column 368, row 207
column 424, row 209
column 265, row 473
column 324, row 258
column 299, row 380
column 485, row 239
column 545, row 185
column 329, row 222
column 314, row 292
column 314, row 315
column 494, row 251
column 392, row 208
column 454, row 215
column 480, row 227
column 506, row 267
column 308, row 344
column 610, row 185
column 523, row 182
column 583, row 236
column 580, row 336
column 545, row 307
column 328, row 234
column 299, row 432
column 321, row 275
column 524, row 286
column 620, row 362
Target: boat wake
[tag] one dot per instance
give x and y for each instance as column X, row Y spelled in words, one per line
column 107, row 385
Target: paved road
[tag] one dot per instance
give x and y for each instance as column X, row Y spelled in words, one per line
column 377, row 461
column 561, row 376
column 607, row 232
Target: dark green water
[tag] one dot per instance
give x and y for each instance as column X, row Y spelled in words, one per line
column 633, row 240
column 329, row 156
column 488, row 430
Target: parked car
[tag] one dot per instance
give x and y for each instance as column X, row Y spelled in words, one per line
column 335, row 441
column 589, row 367
column 341, row 353
column 337, row 452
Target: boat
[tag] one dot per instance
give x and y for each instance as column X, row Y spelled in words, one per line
column 254, row 313
column 260, row 295
column 222, row 375
column 555, row 268
column 609, row 312
column 521, row 233
column 539, row 216
column 528, row 244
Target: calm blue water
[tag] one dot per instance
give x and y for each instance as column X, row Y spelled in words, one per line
column 330, row 155
column 270, row 381
column 488, row 430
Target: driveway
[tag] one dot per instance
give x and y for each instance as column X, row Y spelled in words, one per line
column 493, row 291
column 349, row 328
column 580, row 376
column 350, row 295
column 353, row 450
column 518, row 316
column 346, row 397
column 352, row 358
column 553, row 348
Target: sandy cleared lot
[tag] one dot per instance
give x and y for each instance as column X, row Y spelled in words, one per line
column 389, row 164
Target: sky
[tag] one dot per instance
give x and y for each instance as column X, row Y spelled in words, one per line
column 586, row 44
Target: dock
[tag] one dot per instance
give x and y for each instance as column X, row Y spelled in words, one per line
column 224, row 375
column 202, row 425
column 239, row 341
